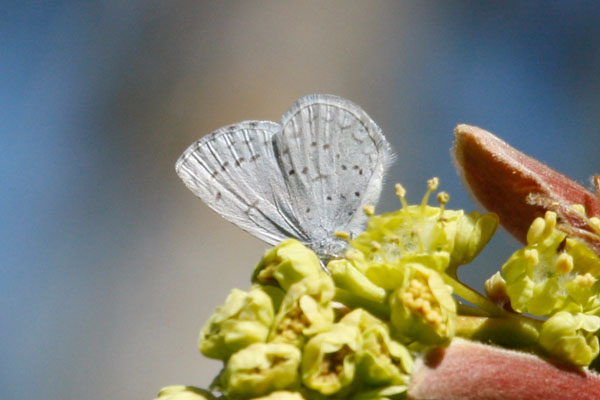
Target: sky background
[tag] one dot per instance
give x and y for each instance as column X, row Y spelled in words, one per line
column 110, row 266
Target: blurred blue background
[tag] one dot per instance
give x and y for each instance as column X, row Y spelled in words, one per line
column 110, row 265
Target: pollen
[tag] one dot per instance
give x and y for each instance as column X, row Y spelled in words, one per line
column 352, row 255
column 369, row 209
column 564, row 263
column 532, row 256
column 419, row 298
column 443, row 198
column 585, row 281
column 578, row 208
column 395, row 239
column 400, row 191
column 536, row 231
column 550, row 219
column 375, row 245
column 433, row 183
column 342, row 235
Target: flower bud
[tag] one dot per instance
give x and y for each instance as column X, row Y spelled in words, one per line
column 571, row 337
column 287, row 263
column 245, row 318
column 260, row 369
column 422, row 308
column 329, row 359
column 181, row 392
column 380, row 359
column 384, row 393
column 281, row 395
column 473, row 232
column 305, row 310
column 347, row 277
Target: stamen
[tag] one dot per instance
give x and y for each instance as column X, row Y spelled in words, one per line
column 443, row 198
column 352, row 255
column 536, row 230
column 532, row 256
column 564, row 263
column 369, row 209
column 342, row 235
column 432, row 185
column 401, row 193
column 578, row 208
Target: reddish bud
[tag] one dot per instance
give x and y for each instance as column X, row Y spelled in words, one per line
column 519, row 188
column 474, row 371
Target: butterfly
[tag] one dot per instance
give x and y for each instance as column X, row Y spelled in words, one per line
column 305, row 178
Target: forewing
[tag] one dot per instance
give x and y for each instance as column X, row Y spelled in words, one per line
column 234, row 171
column 333, row 158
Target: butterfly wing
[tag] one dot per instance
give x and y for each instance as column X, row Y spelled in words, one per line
column 234, row 171
column 332, row 157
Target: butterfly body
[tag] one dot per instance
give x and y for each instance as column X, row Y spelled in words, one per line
column 304, row 178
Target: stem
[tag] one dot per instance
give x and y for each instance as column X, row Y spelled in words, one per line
column 474, row 297
column 509, row 331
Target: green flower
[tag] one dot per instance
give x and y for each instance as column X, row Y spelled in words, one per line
column 305, row 310
column 381, row 360
column 347, row 277
column 260, row 369
column 287, row 263
column 329, row 359
column 473, row 232
column 391, row 275
column 180, row 392
column 281, row 395
column 422, row 308
column 385, row 393
column 450, row 237
column 245, row 318
column 553, row 272
column 571, row 337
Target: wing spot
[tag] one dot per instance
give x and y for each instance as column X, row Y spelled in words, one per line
column 239, row 162
column 326, row 146
column 343, row 196
column 357, row 194
column 214, row 174
column 291, row 172
column 224, row 166
column 253, row 124
column 304, row 170
column 313, row 144
column 350, row 212
column 218, row 196
column 255, row 157
column 307, row 210
column 344, row 167
column 360, row 171
column 337, row 155
column 355, row 167
column 329, row 198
